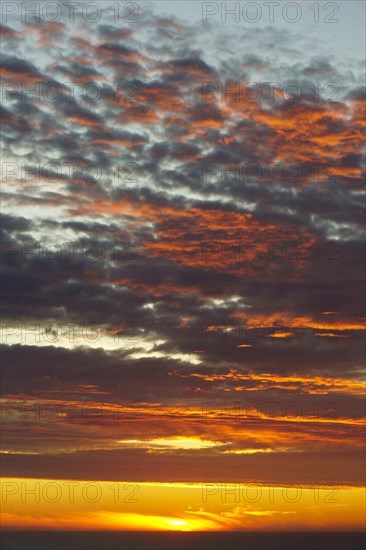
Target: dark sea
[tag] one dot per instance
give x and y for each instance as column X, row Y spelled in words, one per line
column 102, row 540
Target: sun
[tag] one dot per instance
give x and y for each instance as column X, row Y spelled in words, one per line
column 155, row 523
column 179, row 524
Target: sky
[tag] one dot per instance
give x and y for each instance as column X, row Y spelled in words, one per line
column 183, row 266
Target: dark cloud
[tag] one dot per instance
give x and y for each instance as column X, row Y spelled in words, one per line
column 229, row 211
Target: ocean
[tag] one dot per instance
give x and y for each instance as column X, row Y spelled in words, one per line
column 127, row 540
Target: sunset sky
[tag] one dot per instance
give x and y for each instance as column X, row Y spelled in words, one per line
column 183, row 266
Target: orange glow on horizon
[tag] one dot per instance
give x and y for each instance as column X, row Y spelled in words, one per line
column 177, row 506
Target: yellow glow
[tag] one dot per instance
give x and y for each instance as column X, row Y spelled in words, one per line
column 35, row 504
column 177, row 522
column 175, row 442
column 281, row 335
column 250, row 451
column 156, row 523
